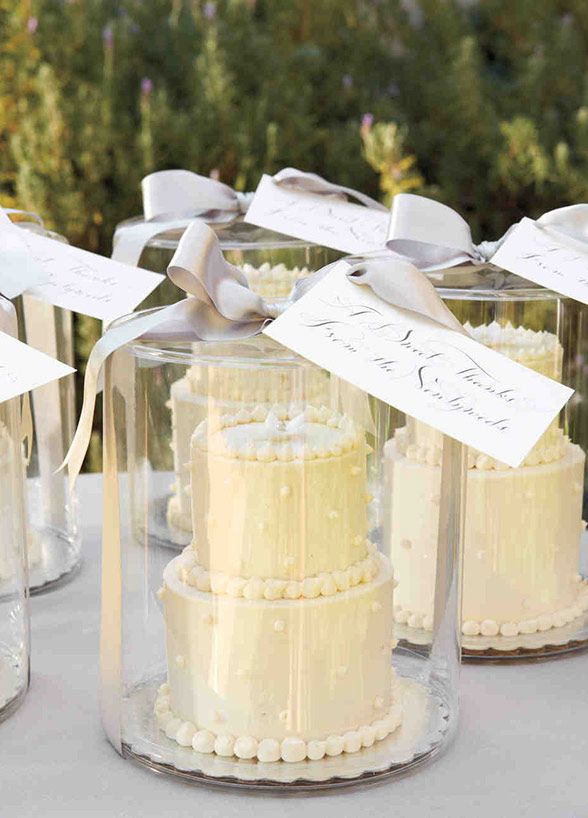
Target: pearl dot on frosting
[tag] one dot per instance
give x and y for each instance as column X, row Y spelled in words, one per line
column 342, row 671
column 284, row 716
column 285, row 491
column 279, row 625
column 376, row 607
column 406, row 544
column 378, row 703
column 355, row 471
column 207, row 619
column 333, row 514
column 180, row 661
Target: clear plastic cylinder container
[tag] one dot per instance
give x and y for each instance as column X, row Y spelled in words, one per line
column 265, row 653
column 14, row 609
column 54, row 542
column 525, row 548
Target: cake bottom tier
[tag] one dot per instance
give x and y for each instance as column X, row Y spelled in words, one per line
column 521, row 550
column 294, row 671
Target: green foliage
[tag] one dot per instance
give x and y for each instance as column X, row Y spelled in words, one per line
column 481, row 104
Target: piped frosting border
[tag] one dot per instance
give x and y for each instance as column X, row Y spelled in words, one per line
column 290, row 749
column 490, row 627
column 190, row 572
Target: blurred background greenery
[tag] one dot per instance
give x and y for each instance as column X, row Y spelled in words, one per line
column 482, row 104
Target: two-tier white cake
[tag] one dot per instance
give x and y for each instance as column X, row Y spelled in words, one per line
column 279, row 615
column 523, row 525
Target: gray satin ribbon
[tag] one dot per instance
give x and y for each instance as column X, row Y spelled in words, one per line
column 19, row 270
column 220, row 307
column 172, row 198
column 432, row 236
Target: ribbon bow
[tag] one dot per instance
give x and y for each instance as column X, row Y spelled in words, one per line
column 432, row 236
column 221, row 306
column 172, row 198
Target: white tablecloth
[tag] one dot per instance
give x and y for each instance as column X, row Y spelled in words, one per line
column 522, row 749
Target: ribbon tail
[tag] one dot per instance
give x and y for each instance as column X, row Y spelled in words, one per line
column 402, row 285
column 130, row 239
column 112, row 340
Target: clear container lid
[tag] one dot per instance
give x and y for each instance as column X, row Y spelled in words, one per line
column 487, row 283
column 255, row 352
column 33, row 223
column 236, row 235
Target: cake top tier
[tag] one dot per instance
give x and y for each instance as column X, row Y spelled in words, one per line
column 279, row 433
column 273, row 281
column 539, row 350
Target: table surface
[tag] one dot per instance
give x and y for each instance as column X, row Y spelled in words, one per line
column 521, row 749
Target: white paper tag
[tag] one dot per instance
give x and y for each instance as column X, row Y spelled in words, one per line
column 440, row 377
column 324, row 220
column 23, row 368
column 537, row 255
column 76, row 279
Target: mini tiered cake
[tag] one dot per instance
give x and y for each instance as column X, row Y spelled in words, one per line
column 523, row 525
column 205, row 390
column 279, row 616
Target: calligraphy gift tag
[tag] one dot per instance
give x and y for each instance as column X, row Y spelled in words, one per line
column 439, row 376
column 23, row 368
column 325, row 220
column 539, row 255
column 72, row 278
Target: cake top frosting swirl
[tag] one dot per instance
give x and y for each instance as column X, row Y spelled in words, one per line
column 278, row 433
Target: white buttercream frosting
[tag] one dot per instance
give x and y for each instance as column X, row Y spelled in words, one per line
column 492, row 627
column 278, row 433
column 539, row 350
column 273, row 281
column 290, row 749
column 551, row 447
column 328, row 583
